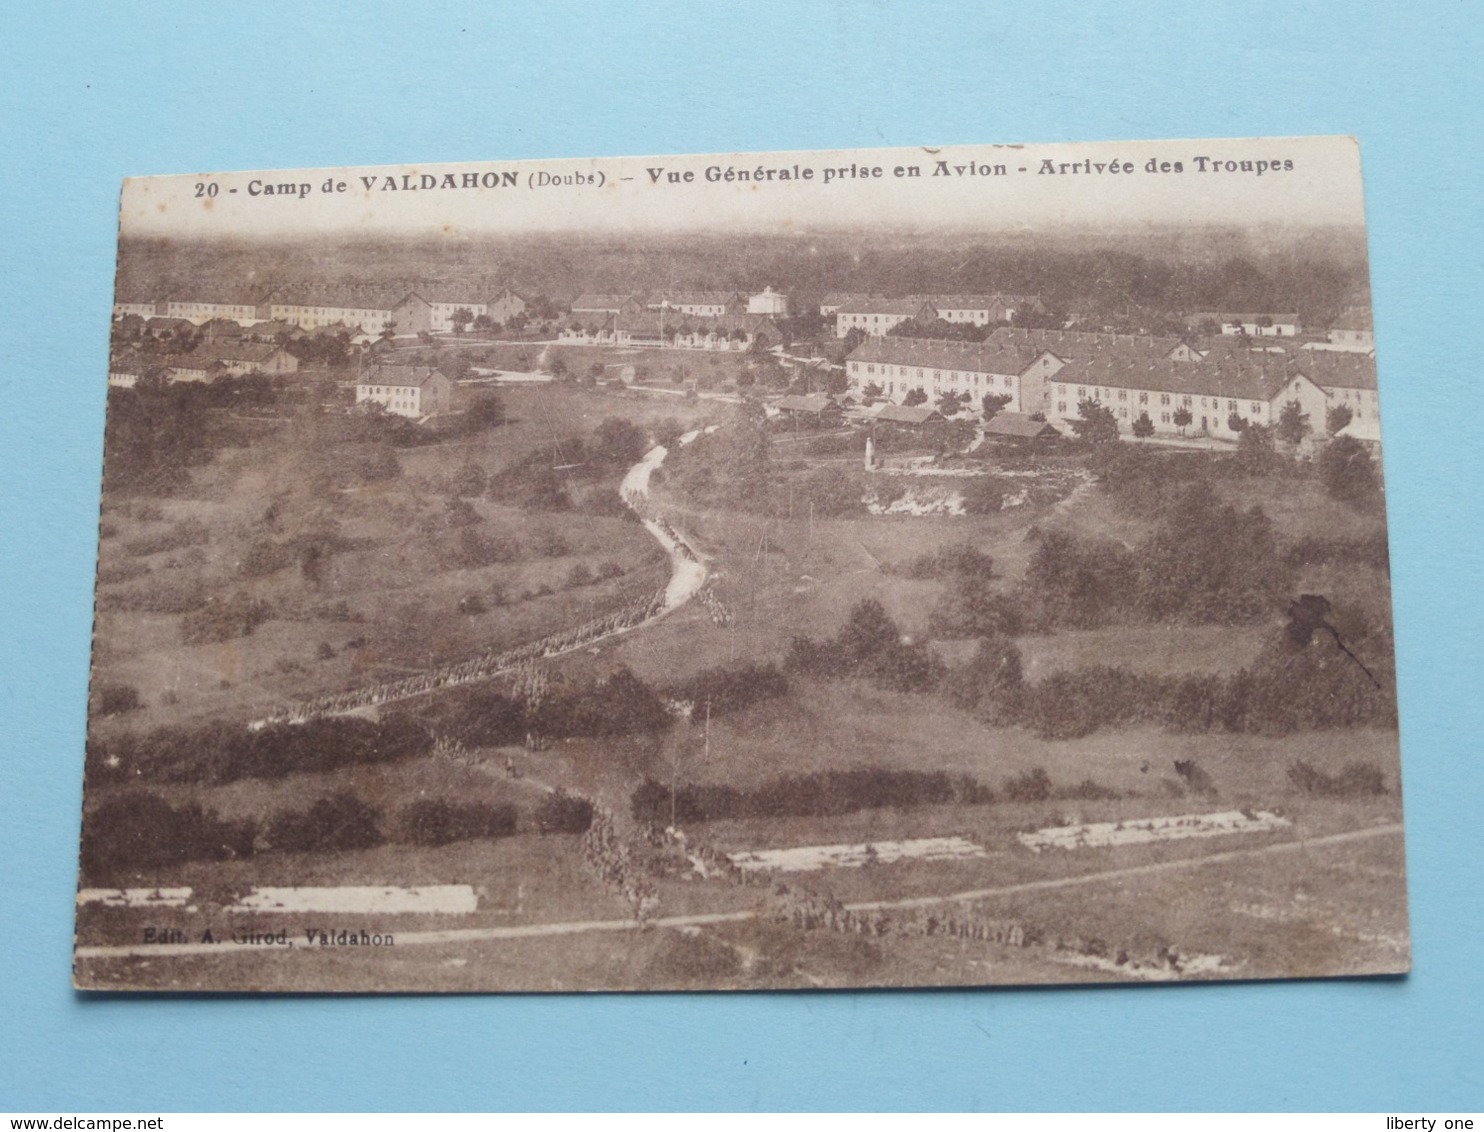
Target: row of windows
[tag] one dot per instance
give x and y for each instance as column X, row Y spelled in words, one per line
column 937, row 375
column 1164, row 399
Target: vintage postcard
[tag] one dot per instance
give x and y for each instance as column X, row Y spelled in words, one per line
column 912, row 567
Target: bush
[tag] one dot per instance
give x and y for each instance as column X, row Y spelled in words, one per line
column 983, row 495
column 831, row 492
column 340, row 822
column 992, row 684
column 1079, row 582
column 1354, row 780
column 225, row 752
column 116, row 699
column 140, row 830
column 113, row 573
column 223, row 620
column 265, row 557
column 732, row 687
column 818, row 794
column 435, row 821
column 1031, row 786
column 869, row 645
column 619, row 704
column 1187, row 568
column 1348, row 472
column 560, row 812
column 188, row 532
column 969, row 607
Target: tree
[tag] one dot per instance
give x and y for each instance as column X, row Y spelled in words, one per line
column 993, row 403
column 1143, row 426
column 619, row 441
column 1255, row 452
column 1080, row 582
column 948, row 404
column 1337, row 418
column 872, row 391
column 388, row 331
column 1095, row 423
column 1348, row 472
column 485, row 410
column 1293, row 424
column 918, row 396
column 992, row 683
column 983, row 495
column 461, row 318
column 1188, row 567
column 1236, row 422
column 1182, row 419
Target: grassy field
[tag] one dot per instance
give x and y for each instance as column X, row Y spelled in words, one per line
column 388, row 600
column 1338, row 906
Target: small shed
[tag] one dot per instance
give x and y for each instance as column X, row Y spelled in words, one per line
column 913, row 416
column 1018, row 426
column 815, row 407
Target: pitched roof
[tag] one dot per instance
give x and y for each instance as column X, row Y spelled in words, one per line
column 597, row 302
column 250, row 353
column 652, row 322
column 1353, row 318
column 1094, row 343
column 814, row 403
column 1331, row 369
column 908, row 307
column 1006, row 423
column 903, row 414
column 273, row 327
column 982, row 302
column 1260, row 379
column 376, row 297
column 1258, row 316
column 936, row 353
column 695, row 298
column 249, row 296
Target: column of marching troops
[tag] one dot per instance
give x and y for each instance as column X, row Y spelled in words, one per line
column 605, row 853
column 490, row 664
column 479, row 668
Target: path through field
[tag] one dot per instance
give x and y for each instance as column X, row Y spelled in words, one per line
column 578, row 927
column 688, row 574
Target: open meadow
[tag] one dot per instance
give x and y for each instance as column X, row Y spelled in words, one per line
column 849, row 686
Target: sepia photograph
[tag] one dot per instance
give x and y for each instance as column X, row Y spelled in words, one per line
column 956, row 566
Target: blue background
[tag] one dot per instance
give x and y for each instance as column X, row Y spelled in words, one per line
column 88, row 96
